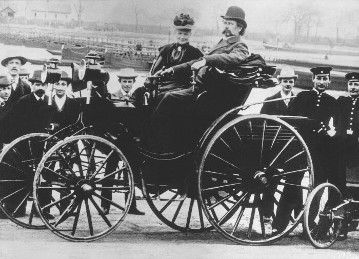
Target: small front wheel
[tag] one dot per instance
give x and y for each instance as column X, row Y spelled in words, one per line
column 322, row 221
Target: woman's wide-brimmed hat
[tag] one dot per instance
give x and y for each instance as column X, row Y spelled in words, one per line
column 236, row 13
column 6, row 60
column 183, row 22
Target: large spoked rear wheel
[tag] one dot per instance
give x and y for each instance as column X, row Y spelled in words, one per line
column 322, row 223
column 172, row 205
column 83, row 188
column 254, row 177
column 18, row 163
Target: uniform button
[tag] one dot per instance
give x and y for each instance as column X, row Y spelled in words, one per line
column 318, row 104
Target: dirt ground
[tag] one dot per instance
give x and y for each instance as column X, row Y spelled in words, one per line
column 147, row 237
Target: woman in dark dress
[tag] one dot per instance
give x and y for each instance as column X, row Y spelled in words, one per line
column 177, row 53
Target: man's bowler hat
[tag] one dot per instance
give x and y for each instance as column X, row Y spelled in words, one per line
column 6, row 60
column 24, row 72
column 353, row 76
column 321, row 70
column 236, row 13
column 38, row 77
column 65, row 77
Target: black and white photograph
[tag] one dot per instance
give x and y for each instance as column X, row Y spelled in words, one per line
column 179, row 129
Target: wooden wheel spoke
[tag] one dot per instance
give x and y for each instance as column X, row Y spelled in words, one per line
column 110, row 201
column 249, row 233
column 292, row 184
column 100, row 212
column 102, row 164
column 58, row 201
column 238, row 220
column 9, row 181
column 89, row 219
column 77, row 215
column 189, row 213
column 291, row 172
column 169, row 203
column 231, row 176
column 200, row 214
column 232, row 210
column 64, row 214
column 91, row 158
column 225, row 161
column 225, row 143
column 262, row 145
column 79, row 162
column 236, row 131
column 22, row 202
column 294, row 156
column 218, row 202
column 275, row 137
column 13, row 193
column 221, row 186
column 109, row 188
column 110, row 174
column 177, row 211
column 281, row 151
column 260, row 212
column 15, row 168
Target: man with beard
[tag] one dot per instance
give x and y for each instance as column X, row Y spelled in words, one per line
column 287, row 80
column 19, row 87
column 320, row 107
column 27, row 115
column 175, row 107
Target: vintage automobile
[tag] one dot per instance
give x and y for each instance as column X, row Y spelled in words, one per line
column 68, row 177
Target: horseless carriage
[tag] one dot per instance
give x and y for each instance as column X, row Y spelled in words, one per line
column 221, row 182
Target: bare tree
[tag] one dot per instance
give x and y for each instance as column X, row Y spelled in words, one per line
column 79, row 8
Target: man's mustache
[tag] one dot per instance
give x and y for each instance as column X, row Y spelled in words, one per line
column 227, row 31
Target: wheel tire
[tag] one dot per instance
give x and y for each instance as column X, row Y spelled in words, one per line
column 76, row 181
column 320, row 226
column 184, row 213
column 249, row 159
column 18, row 163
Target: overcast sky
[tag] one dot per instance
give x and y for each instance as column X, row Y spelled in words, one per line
column 261, row 15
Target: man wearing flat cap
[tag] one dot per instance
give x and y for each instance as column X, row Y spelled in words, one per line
column 5, row 93
column 320, row 107
column 286, row 79
column 229, row 53
column 19, row 87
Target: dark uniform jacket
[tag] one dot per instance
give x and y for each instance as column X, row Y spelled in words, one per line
column 347, row 117
column 21, row 90
column 277, row 107
column 311, row 104
column 27, row 116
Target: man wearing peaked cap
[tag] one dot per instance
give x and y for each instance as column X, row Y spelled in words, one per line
column 19, row 87
column 320, row 107
column 287, row 79
column 347, row 129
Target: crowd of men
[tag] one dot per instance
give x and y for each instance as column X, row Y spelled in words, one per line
column 25, row 109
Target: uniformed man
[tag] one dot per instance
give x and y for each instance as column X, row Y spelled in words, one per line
column 287, row 79
column 20, row 88
column 320, row 107
column 347, row 131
